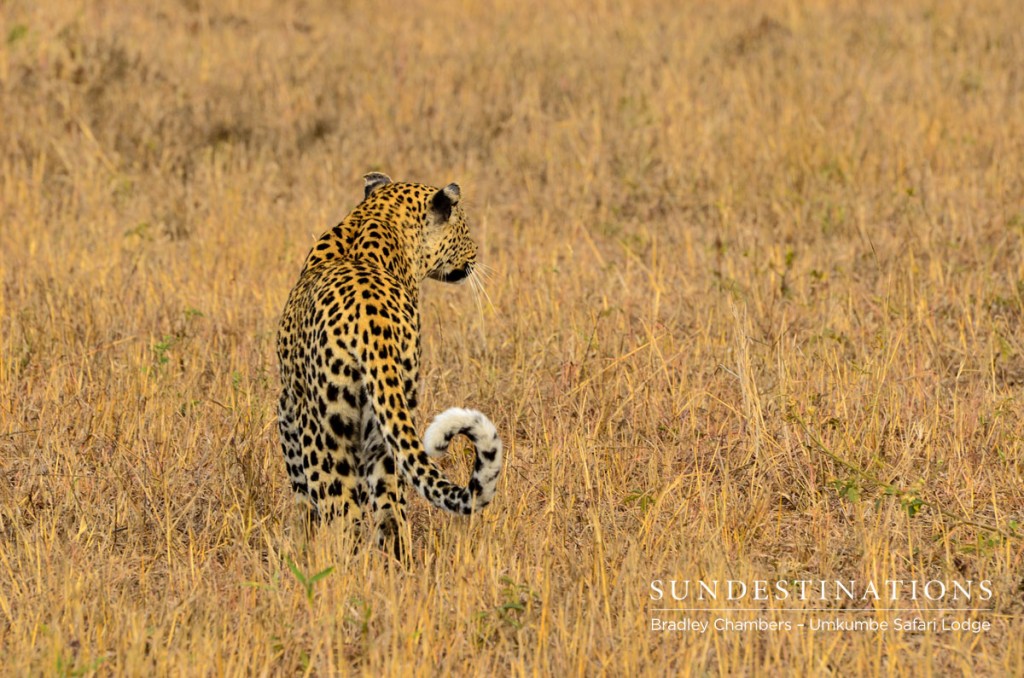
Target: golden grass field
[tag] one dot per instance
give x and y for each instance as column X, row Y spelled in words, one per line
column 754, row 313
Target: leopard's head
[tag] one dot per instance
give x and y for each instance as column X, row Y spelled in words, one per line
column 447, row 253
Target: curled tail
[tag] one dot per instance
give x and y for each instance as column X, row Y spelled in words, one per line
column 484, row 436
column 394, row 418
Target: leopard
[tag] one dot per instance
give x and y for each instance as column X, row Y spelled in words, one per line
column 349, row 350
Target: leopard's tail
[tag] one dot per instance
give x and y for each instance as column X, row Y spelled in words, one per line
column 484, row 437
column 412, row 455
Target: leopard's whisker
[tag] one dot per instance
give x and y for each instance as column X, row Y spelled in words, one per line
column 475, row 286
column 486, row 272
column 478, row 290
column 478, row 281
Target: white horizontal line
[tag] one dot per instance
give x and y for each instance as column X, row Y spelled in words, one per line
column 820, row 609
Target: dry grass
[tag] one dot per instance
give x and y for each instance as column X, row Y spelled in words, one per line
column 755, row 313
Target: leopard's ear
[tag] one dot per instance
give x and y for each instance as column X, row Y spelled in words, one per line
column 444, row 200
column 374, row 180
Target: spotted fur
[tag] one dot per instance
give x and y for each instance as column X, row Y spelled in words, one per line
column 349, row 350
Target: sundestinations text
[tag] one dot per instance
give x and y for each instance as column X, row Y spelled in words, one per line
column 820, row 589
